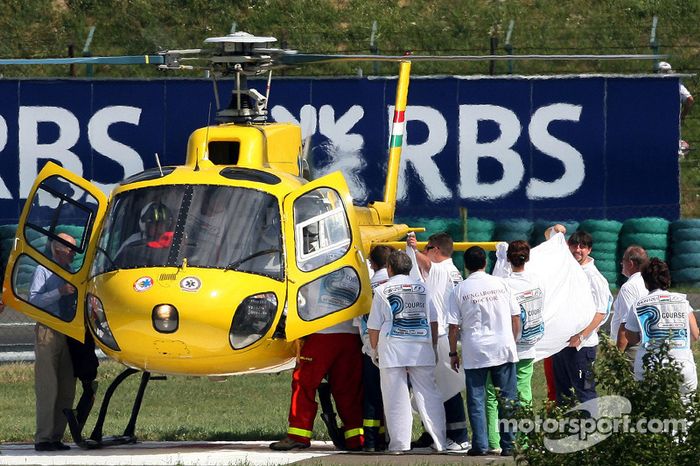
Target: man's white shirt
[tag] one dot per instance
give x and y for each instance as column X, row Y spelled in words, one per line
column 601, row 297
column 482, row 305
column 632, row 290
column 402, row 314
column 442, row 279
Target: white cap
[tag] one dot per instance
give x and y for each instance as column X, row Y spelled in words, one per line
column 665, row 67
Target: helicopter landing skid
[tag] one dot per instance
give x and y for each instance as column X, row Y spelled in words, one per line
column 96, row 439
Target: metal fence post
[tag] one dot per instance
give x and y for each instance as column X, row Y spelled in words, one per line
column 653, row 43
column 508, row 46
column 87, row 53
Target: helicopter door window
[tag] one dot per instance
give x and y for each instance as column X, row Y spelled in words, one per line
column 321, row 228
column 330, row 293
column 36, row 285
column 60, row 212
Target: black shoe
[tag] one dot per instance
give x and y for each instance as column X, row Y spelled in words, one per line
column 507, row 452
column 424, row 441
column 474, row 452
column 287, row 444
column 59, row 446
column 44, row 446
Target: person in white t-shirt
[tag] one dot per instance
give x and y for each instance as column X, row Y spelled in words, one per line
column 402, row 331
column 372, row 407
column 484, row 309
column 686, row 98
column 573, row 365
column 633, row 259
column 663, row 316
column 435, row 263
column 529, row 293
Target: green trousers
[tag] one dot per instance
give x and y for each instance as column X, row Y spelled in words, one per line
column 524, row 369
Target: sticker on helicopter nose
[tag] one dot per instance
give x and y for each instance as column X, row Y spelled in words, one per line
column 143, row 283
column 190, row 284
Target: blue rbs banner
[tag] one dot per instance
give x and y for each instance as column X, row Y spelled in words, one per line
column 571, row 147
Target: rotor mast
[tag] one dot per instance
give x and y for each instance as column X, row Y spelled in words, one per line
column 242, row 55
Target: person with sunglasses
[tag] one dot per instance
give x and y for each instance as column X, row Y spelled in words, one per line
column 441, row 276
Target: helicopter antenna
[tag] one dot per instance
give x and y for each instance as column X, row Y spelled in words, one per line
column 267, row 90
column 206, row 140
column 159, row 166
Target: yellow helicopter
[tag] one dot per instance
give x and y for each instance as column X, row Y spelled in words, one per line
column 214, row 267
column 218, row 266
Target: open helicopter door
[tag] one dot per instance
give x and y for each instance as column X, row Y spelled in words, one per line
column 46, row 273
column 328, row 280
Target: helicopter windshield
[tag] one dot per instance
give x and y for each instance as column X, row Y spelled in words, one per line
column 208, row 226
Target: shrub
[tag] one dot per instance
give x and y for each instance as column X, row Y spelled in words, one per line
column 657, row 397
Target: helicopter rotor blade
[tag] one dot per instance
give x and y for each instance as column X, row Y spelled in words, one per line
column 292, row 59
column 120, row 60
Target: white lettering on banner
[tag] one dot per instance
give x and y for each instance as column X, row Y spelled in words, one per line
column 98, row 135
column 420, row 156
column 343, row 147
column 30, row 151
column 574, row 168
column 500, row 149
column 4, row 192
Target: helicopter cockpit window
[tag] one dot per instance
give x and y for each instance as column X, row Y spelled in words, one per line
column 139, row 229
column 321, row 228
column 234, row 228
column 205, row 226
column 35, row 284
column 61, row 213
column 328, row 294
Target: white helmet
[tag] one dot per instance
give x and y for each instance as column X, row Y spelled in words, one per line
column 665, row 67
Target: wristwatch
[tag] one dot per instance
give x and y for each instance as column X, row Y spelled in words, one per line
column 452, row 354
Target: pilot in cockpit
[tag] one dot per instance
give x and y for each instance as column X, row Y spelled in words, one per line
column 156, row 236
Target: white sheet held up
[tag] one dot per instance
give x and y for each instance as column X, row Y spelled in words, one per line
column 568, row 303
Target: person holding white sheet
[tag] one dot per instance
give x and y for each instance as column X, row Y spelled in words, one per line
column 435, row 262
column 573, row 365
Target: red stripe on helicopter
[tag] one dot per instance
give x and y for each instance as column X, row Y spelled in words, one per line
column 399, row 116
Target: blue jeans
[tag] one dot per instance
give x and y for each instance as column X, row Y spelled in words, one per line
column 573, row 374
column 504, row 378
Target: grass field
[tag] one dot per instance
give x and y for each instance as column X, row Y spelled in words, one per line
column 247, row 407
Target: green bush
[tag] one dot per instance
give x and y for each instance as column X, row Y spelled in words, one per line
column 657, row 397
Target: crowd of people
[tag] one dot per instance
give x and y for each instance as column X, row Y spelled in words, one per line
column 423, row 311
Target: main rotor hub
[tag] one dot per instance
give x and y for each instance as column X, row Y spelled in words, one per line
column 241, row 54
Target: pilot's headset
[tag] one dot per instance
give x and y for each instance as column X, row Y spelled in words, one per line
column 155, row 212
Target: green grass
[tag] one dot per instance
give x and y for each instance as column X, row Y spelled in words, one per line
column 250, row 407
column 246, row 407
